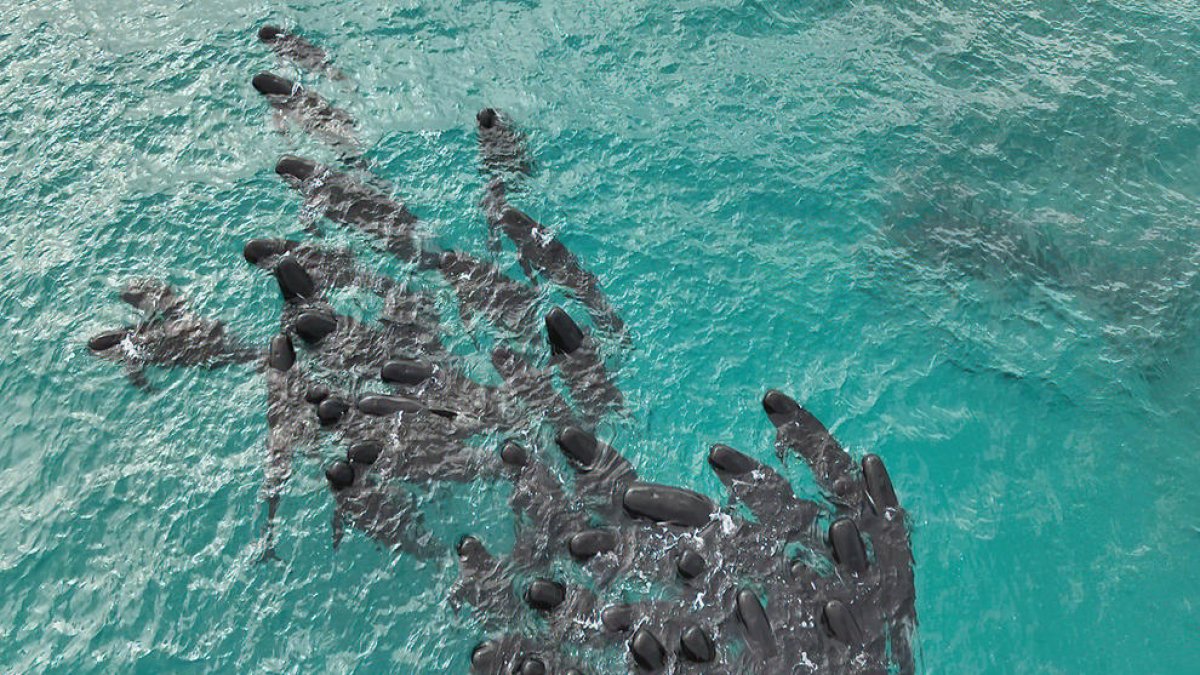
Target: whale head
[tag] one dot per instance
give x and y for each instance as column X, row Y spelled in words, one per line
column 340, row 475
column 270, row 84
column 268, row 33
column 296, row 168
column 780, row 408
column 562, row 332
column 487, row 118
column 260, row 250
column 105, row 341
column 513, row 454
column 472, row 552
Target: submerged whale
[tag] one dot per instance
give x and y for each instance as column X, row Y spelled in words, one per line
column 533, row 385
column 307, row 110
column 403, row 348
column 577, row 358
column 168, row 335
column 502, row 147
column 385, row 513
column 306, row 274
column 288, row 428
column 541, row 253
column 342, row 199
column 299, row 51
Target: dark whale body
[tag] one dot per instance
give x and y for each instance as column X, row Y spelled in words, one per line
column 503, row 153
column 299, row 51
column 577, row 357
column 327, row 268
column 501, row 145
column 540, row 252
column 405, row 338
column 351, row 203
column 289, row 428
column 383, row 513
column 168, row 335
column 307, row 109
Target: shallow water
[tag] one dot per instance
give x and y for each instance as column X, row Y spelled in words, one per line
column 964, row 235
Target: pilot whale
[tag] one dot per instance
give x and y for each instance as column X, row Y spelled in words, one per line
column 168, row 334
column 577, row 357
column 342, row 199
column 485, row 291
column 501, row 145
column 403, row 348
column 288, row 428
column 299, row 51
column 308, row 110
column 384, row 513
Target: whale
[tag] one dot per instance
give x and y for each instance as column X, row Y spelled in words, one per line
column 751, row 583
column 532, row 385
column 515, row 654
column 299, row 51
column 408, row 420
column 415, row 448
column 168, row 335
column 543, row 507
column 404, row 340
column 576, row 356
column 382, row 512
column 541, row 253
column 349, row 202
column 288, row 429
column 307, row 273
column 308, row 110
column 502, row 147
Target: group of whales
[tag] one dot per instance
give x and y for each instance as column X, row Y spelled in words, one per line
column 761, row 585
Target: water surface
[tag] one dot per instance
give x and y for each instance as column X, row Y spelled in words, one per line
column 965, row 235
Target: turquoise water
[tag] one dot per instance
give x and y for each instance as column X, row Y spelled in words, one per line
column 965, row 235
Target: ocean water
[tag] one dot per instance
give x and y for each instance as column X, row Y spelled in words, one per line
column 966, row 235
